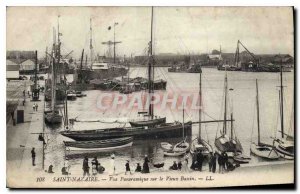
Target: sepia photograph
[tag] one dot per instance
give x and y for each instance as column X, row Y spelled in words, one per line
column 150, row 97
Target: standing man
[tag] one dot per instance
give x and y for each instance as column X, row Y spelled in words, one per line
column 127, row 167
column 146, row 165
column 33, row 156
column 214, row 162
column 36, row 107
column 85, row 166
column 210, row 161
column 200, row 160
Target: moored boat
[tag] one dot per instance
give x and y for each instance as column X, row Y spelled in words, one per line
column 264, row 151
column 284, row 145
column 71, row 96
column 224, row 143
column 53, row 118
column 174, row 154
column 199, row 144
column 242, row 159
column 159, row 131
column 261, row 149
column 99, row 145
column 79, row 94
column 150, row 122
column 285, row 149
column 166, row 146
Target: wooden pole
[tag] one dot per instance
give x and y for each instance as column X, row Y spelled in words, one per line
column 257, row 109
column 281, row 102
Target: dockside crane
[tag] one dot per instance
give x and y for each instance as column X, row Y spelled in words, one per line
column 237, row 54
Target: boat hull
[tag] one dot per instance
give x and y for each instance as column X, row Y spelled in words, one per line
column 240, row 158
column 74, row 149
column 162, row 131
column 53, row 118
column 202, row 145
column 264, row 151
column 99, row 145
column 223, row 144
column 283, row 151
column 174, row 154
column 148, row 122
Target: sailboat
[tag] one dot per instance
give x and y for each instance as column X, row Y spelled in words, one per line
column 224, row 143
column 180, row 148
column 92, row 145
column 152, row 128
column 284, row 145
column 261, row 149
column 199, row 144
column 52, row 116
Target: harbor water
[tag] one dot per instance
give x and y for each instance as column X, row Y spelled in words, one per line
column 242, row 95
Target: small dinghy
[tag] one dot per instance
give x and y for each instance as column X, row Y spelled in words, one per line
column 99, row 145
column 166, row 146
column 174, row 154
column 242, row 159
column 80, row 94
column 182, row 146
column 261, row 149
column 264, row 151
column 285, row 149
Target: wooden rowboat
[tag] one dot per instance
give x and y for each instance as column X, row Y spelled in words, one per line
column 99, row 145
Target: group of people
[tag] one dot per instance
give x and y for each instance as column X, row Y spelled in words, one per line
column 213, row 159
column 111, row 168
column 197, row 163
column 35, row 107
column 96, row 167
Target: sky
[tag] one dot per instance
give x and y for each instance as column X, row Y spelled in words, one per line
column 183, row 30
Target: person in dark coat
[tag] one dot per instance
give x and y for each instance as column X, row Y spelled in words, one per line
column 174, row 166
column 33, row 156
column 85, row 167
column 146, row 165
column 96, row 163
column 50, row 169
column 210, row 161
column 225, row 157
column 179, row 165
column 214, row 162
column 194, row 161
column 200, row 160
column 138, row 168
column 64, row 171
column 220, row 163
column 127, row 167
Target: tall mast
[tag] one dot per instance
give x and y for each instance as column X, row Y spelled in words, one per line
column 91, row 42
column 114, row 43
column 281, row 101
column 183, row 121
column 200, row 98
column 257, row 109
column 86, row 60
column 150, row 68
column 225, row 108
column 80, row 69
column 53, row 80
column 231, row 128
column 58, row 47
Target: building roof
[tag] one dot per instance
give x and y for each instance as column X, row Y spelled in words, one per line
column 27, row 62
column 10, row 62
column 211, row 56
